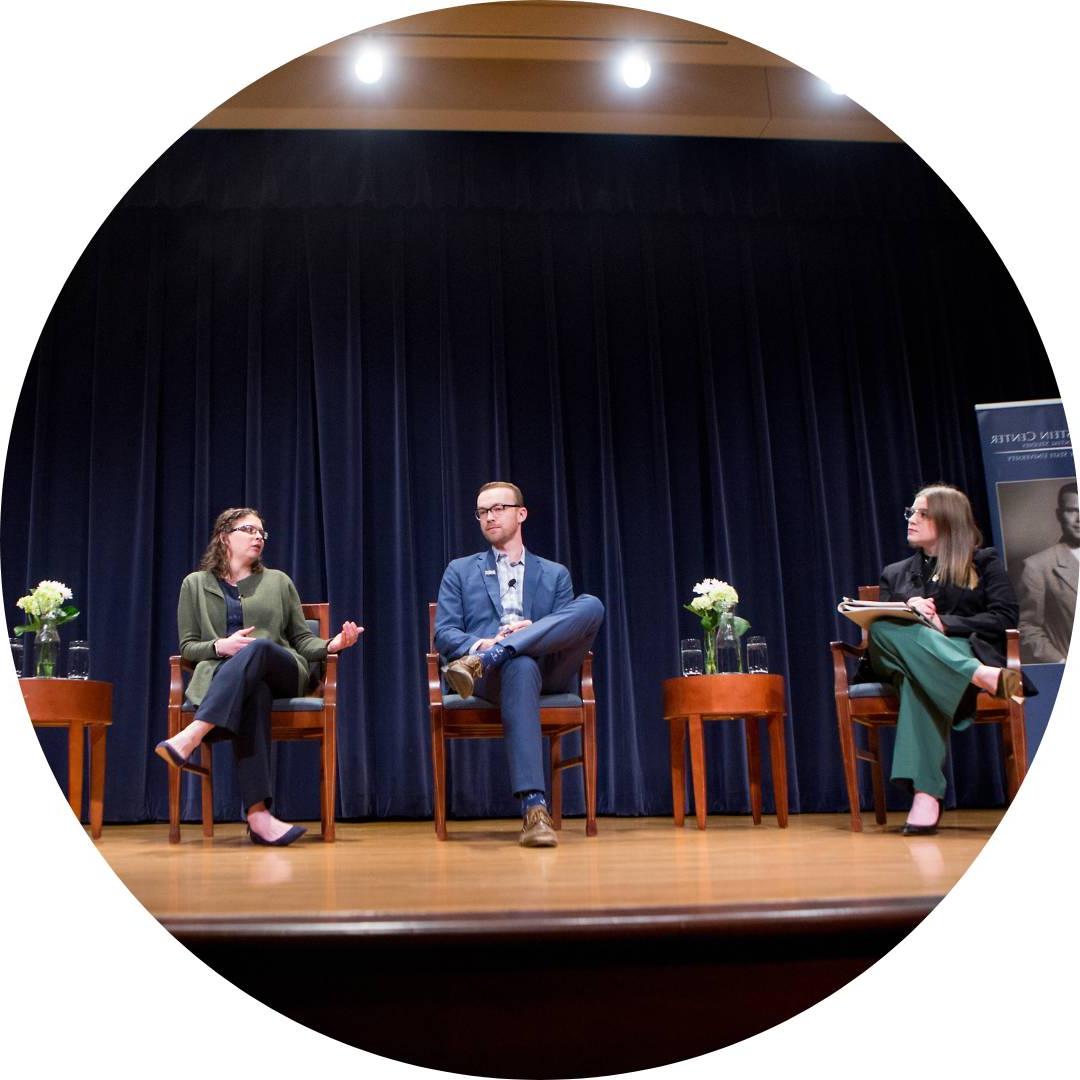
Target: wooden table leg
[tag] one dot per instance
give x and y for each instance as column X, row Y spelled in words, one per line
column 677, row 741
column 753, row 764
column 97, row 778
column 778, row 753
column 76, row 738
column 697, row 767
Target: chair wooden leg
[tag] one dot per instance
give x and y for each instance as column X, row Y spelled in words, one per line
column 438, row 768
column 1018, row 740
column 207, row 759
column 588, row 768
column 328, row 778
column 174, row 782
column 753, row 764
column 874, row 745
column 847, row 749
column 556, row 781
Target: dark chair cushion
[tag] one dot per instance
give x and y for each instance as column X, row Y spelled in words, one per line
column 872, row 689
column 292, row 704
column 547, row 701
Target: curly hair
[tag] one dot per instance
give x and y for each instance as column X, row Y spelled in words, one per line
column 216, row 556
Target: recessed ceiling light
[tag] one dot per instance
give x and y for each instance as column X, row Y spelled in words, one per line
column 635, row 70
column 369, row 64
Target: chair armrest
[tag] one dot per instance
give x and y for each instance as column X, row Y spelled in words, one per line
column 840, row 651
column 1012, row 649
column 327, row 688
column 176, row 681
column 588, row 695
column 434, row 680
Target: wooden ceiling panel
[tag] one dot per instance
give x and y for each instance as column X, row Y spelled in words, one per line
column 543, row 66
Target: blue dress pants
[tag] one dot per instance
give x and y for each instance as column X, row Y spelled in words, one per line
column 238, row 705
column 547, row 659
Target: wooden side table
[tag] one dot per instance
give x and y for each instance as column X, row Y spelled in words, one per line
column 79, row 705
column 689, row 701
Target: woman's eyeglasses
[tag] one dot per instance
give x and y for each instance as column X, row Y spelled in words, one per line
column 251, row 530
column 910, row 512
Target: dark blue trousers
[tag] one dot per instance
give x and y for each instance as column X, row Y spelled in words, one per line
column 547, row 659
column 238, row 705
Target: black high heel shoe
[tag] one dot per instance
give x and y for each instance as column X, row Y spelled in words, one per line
column 924, row 830
column 169, row 754
column 284, row 840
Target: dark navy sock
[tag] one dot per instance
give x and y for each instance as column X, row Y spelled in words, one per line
column 529, row 799
column 496, row 656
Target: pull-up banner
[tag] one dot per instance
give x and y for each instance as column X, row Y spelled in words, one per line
column 1031, row 485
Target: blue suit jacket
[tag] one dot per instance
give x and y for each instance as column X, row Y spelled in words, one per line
column 469, row 606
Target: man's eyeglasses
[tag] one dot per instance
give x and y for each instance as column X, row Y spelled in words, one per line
column 251, row 530
column 910, row 512
column 498, row 508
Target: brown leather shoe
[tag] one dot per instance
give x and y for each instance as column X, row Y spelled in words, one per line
column 1010, row 685
column 537, row 829
column 463, row 672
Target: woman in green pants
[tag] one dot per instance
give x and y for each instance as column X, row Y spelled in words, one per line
column 963, row 592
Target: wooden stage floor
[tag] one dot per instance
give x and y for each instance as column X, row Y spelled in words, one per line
column 636, row 867
column 644, row 945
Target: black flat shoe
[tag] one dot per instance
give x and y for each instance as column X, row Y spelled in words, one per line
column 171, row 756
column 923, row 830
column 282, row 841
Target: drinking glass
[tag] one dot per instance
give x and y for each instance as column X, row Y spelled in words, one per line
column 757, row 656
column 17, row 655
column 693, row 661
column 79, row 660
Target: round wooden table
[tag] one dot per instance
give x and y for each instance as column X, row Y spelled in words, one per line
column 691, row 700
column 79, row 705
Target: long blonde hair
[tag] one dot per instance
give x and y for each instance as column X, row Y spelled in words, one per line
column 216, row 556
column 958, row 535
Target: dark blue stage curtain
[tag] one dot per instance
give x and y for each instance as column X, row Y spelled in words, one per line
column 697, row 357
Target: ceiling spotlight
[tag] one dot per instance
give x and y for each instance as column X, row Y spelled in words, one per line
column 369, row 65
column 635, row 70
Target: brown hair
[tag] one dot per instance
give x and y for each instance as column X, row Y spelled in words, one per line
column 216, row 556
column 504, row 484
column 958, row 535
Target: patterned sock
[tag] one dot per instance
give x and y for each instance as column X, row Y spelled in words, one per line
column 495, row 657
column 529, row 799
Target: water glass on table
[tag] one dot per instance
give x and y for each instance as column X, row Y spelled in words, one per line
column 692, row 657
column 17, row 655
column 757, row 656
column 79, row 660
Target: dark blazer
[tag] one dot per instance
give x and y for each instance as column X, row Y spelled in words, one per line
column 982, row 615
column 469, row 606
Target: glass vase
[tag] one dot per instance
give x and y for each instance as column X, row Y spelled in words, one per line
column 710, row 650
column 46, row 650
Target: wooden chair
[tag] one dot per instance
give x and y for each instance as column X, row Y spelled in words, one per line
column 313, row 717
column 873, row 706
column 453, row 717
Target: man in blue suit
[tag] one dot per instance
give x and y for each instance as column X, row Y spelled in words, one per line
column 511, row 629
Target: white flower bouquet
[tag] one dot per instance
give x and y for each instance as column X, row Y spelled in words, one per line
column 714, row 601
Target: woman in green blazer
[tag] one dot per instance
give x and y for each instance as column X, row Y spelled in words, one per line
column 242, row 626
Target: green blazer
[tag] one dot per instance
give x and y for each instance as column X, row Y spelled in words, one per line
column 271, row 604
